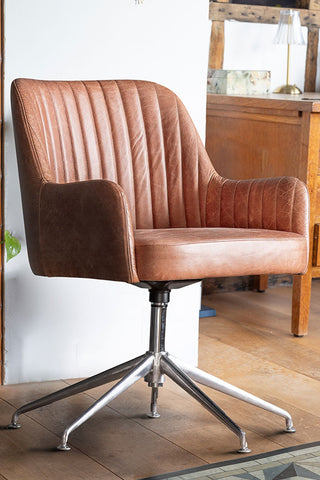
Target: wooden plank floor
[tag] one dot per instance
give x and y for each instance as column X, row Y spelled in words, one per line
column 248, row 344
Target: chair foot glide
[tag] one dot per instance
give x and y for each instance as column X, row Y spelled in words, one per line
column 63, row 447
column 154, row 404
column 14, row 426
column 289, row 426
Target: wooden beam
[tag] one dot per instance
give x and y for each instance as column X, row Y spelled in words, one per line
column 311, row 60
column 258, row 14
column 216, row 51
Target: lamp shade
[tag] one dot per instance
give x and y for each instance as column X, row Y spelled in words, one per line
column 289, row 28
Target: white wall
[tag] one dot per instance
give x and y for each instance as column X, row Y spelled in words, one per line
column 59, row 328
column 249, row 46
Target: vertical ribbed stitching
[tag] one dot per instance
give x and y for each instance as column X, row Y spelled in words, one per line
column 82, row 128
column 71, row 139
column 206, row 200
column 233, row 203
column 115, row 169
column 128, row 140
column 220, row 209
column 147, row 153
column 202, row 211
column 262, row 204
column 28, row 131
column 65, row 172
column 165, row 156
column 181, row 163
column 292, row 204
column 248, row 202
column 48, row 134
column 95, row 130
column 198, row 190
column 276, row 203
column 41, row 147
column 47, row 149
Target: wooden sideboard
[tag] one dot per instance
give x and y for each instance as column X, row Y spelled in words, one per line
column 271, row 136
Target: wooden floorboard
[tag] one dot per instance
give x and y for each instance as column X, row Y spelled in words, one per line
column 28, row 453
column 248, row 344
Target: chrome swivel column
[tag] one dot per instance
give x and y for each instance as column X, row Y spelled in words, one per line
column 159, row 303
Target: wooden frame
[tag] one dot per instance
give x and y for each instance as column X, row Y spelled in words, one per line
column 219, row 12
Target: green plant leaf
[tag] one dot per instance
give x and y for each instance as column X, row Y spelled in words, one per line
column 13, row 246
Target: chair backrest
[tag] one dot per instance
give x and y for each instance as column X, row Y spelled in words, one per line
column 135, row 133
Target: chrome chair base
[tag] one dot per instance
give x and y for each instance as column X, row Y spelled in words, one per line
column 153, row 366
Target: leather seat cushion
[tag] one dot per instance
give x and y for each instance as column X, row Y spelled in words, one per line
column 190, row 253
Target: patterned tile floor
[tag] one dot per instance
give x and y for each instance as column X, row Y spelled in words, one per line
column 296, row 463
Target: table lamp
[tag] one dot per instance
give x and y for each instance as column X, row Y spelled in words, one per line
column 290, row 33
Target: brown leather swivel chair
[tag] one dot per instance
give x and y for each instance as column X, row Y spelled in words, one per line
column 117, row 185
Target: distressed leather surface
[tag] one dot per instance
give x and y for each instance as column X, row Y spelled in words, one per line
column 116, row 184
column 217, row 252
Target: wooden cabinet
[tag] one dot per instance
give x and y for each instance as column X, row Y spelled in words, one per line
column 271, row 136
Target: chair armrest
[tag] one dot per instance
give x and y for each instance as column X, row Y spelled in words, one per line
column 86, row 231
column 269, row 203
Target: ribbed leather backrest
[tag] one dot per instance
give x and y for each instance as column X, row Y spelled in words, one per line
column 135, row 133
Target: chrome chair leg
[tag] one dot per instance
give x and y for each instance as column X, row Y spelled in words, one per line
column 217, row 384
column 100, row 379
column 154, row 404
column 133, row 376
column 178, row 376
